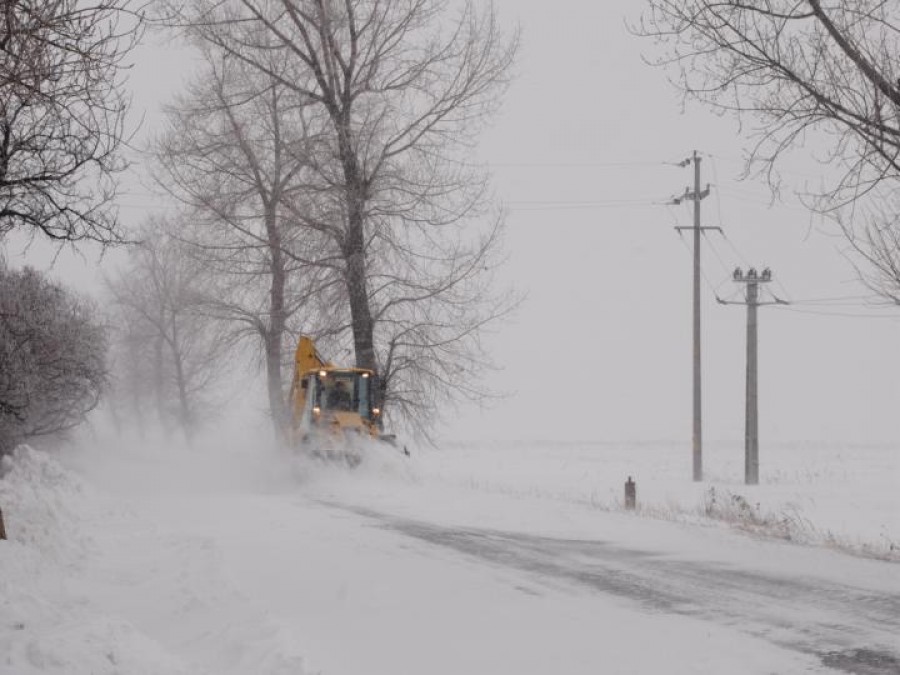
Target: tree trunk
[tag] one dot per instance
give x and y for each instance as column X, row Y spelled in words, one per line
column 136, row 382
column 137, row 403
column 273, row 343
column 158, row 384
column 184, row 408
column 354, row 250
column 360, row 312
column 274, row 337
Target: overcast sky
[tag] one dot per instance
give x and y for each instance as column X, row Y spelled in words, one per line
column 583, row 154
column 608, row 314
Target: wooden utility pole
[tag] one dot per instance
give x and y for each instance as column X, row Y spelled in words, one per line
column 752, row 280
column 696, row 196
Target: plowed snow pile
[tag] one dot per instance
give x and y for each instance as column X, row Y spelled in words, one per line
column 77, row 562
column 45, row 626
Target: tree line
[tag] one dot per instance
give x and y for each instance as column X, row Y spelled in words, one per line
column 320, row 161
column 62, row 127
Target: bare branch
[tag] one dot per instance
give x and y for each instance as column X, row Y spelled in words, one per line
column 62, row 115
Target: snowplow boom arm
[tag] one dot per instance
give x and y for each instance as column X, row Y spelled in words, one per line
column 306, row 357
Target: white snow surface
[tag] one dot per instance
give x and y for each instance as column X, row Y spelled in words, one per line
column 233, row 558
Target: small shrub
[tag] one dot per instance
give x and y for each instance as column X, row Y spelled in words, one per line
column 52, row 358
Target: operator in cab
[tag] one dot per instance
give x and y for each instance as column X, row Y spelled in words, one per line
column 339, row 397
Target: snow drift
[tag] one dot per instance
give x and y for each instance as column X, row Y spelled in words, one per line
column 88, row 588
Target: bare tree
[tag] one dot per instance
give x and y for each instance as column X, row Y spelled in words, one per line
column 403, row 87
column 873, row 232
column 52, row 351
column 176, row 349
column 797, row 67
column 433, row 294
column 805, row 72
column 136, row 373
column 62, row 115
column 238, row 143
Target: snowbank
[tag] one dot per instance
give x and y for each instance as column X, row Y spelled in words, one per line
column 46, row 625
column 44, row 505
column 91, row 584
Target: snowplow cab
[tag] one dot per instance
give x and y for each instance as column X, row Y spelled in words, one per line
column 331, row 402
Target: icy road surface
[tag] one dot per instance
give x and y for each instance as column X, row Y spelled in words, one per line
column 851, row 628
column 233, row 570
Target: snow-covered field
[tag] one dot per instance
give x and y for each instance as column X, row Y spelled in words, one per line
column 232, row 558
column 816, row 493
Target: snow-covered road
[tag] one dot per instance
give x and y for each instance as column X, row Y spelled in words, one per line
column 232, row 566
column 369, row 592
column 846, row 626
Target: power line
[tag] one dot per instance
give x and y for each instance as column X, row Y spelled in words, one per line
column 714, row 289
column 576, row 206
column 742, row 162
column 734, row 249
column 725, row 267
column 840, row 300
column 588, row 202
column 581, row 165
column 742, row 258
column 848, row 315
column 718, row 185
column 758, row 200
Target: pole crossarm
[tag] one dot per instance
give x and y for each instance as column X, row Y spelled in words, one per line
column 705, row 227
column 776, row 301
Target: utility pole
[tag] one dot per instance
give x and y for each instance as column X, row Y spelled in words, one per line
column 752, row 280
column 696, row 196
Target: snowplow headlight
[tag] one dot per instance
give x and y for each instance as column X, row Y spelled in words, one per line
column 365, row 376
column 322, row 373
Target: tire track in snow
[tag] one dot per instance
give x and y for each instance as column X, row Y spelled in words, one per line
column 848, row 628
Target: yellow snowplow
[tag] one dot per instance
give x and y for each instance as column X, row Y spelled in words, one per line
column 331, row 406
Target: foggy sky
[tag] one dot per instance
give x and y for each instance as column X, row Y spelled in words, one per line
column 601, row 348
